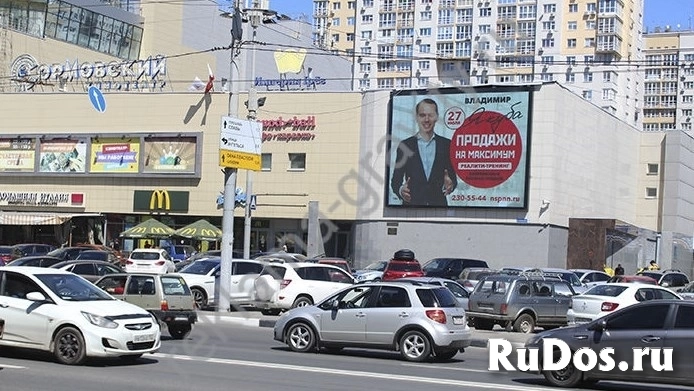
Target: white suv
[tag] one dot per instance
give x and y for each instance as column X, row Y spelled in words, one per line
column 150, row 260
column 289, row 285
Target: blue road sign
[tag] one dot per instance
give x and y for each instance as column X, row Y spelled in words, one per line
column 97, row 99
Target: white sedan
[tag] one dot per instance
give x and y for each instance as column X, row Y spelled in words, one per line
column 602, row 299
column 60, row 312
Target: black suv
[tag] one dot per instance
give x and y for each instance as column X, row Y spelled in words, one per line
column 450, row 267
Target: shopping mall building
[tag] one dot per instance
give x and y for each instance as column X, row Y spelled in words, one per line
column 541, row 176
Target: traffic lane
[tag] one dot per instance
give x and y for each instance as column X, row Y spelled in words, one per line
column 163, row 371
column 257, row 344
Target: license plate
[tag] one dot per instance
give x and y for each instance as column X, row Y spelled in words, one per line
column 458, row 319
column 181, row 318
column 144, row 338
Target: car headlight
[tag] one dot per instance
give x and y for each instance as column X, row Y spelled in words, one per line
column 100, row 321
column 534, row 341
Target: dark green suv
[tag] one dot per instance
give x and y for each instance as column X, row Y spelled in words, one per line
column 166, row 296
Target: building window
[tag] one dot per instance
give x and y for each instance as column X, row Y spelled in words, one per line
column 652, row 169
column 336, row 22
column 266, row 161
column 297, row 162
column 587, row 94
column 589, row 42
column 336, row 5
column 590, row 25
column 350, row 21
column 571, row 42
column 651, row 192
column 587, row 77
column 547, row 8
column 571, row 60
column 573, row 25
column 570, row 77
column 422, row 82
column 485, row 12
column 573, row 7
column 424, row 64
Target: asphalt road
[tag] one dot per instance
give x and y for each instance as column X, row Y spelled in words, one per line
column 226, row 355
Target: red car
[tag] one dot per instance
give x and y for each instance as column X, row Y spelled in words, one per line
column 403, row 264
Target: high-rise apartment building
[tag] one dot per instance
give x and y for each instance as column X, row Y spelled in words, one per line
column 334, row 24
column 593, row 47
column 669, row 80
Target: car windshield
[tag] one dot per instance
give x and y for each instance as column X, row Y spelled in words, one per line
column 439, row 297
column 579, row 274
column 377, row 266
column 145, row 255
column 435, row 264
column 478, row 275
column 174, row 286
column 404, row 266
column 71, row 287
column 655, row 276
column 202, row 267
column 606, row 290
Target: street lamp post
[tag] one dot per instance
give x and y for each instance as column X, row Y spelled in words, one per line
column 224, row 301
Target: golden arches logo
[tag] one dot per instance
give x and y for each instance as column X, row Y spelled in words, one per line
column 208, row 232
column 160, row 230
column 138, row 230
column 188, row 231
column 161, row 199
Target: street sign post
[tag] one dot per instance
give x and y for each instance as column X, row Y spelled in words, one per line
column 239, row 144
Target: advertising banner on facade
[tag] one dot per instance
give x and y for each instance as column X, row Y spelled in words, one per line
column 17, row 155
column 169, row 155
column 63, row 156
column 115, row 155
column 455, row 148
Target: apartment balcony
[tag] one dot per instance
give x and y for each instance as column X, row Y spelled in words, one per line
column 608, row 48
column 404, row 40
column 387, row 8
column 321, row 13
column 404, row 23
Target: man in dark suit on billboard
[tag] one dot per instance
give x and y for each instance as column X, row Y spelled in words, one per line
column 423, row 174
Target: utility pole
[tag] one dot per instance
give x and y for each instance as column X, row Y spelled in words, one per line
column 224, row 302
column 255, row 17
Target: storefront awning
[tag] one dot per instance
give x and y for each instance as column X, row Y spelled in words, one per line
column 38, row 218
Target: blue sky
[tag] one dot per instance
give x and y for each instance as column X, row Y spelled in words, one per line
column 657, row 12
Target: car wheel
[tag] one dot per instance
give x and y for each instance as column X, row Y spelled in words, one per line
column 302, row 301
column 179, row 331
column 525, row 323
column 300, row 337
column 69, row 346
column 446, row 354
column 484, row 324
column 200, row 297
column 568, row 377
column 415, row 346
column 376, row 279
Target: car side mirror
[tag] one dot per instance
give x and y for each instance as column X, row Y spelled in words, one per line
column 599, row 326
column 35, row 296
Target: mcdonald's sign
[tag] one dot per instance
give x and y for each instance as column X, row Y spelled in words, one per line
column 161, row 201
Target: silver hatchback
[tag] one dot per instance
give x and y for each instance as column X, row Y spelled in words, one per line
column 417, row 320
